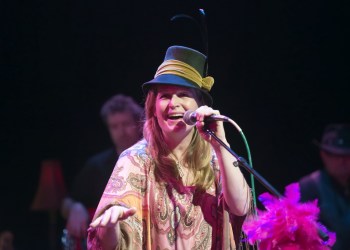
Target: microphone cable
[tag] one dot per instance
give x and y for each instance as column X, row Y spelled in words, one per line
column 250, row 161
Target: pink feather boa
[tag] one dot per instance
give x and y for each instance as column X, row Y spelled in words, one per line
column 287, row 224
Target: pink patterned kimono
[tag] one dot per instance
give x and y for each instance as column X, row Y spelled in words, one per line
column 165, row 218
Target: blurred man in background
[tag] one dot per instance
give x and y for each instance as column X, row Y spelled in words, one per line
column 124, row 119
column 331, row 184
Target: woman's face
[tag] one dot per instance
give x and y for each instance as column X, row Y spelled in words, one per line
column 171, row 104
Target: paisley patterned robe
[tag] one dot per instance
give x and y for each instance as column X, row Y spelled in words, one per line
column 165, row 218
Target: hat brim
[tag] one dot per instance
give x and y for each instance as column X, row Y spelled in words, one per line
column 169, row 79
column 332, row 150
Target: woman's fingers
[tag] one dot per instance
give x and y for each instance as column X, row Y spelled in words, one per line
column 106, row 217
column 96, row 222
column 128, row 212
column 112, row 215
column 216, row 127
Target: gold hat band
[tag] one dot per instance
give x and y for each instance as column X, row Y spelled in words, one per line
column 182, row 69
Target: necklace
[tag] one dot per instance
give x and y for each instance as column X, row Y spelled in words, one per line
column 178, row 165
column 183, row 173
column 179, row 168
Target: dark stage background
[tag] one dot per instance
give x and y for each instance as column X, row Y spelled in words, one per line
column 280, row 67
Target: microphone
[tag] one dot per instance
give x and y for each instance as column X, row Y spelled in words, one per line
column 190, row 118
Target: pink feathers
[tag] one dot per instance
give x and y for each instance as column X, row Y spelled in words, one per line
column 287, row 224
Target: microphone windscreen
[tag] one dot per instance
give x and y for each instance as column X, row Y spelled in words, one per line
column 189, row 117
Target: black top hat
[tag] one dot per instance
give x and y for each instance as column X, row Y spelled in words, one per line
column 336, row 139
column 183, row 66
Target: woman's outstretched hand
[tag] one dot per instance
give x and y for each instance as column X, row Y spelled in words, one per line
column 112, row 215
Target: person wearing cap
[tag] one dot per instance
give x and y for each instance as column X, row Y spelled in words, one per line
column 177, row 188
column 331, row 184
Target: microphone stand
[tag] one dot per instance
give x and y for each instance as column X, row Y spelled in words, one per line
column 241, row 162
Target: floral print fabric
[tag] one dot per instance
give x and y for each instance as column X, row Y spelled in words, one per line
column 165, row 218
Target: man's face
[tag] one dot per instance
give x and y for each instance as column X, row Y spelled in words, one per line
column 338, row 166
column 123, row 129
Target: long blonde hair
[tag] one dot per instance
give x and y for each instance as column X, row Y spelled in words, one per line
column 198, row 155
